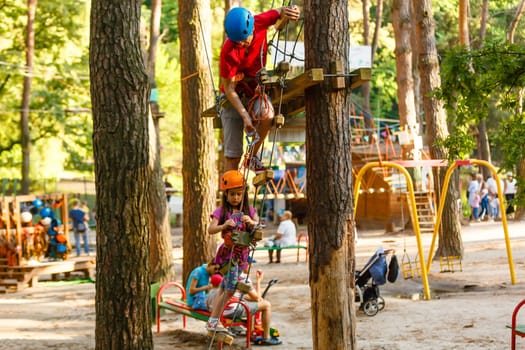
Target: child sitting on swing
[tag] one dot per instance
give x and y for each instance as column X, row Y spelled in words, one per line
column 234, row 214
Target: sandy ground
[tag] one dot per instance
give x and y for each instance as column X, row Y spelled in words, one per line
column 469, row 309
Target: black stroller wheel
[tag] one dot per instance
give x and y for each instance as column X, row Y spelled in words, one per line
column 380, row 303
column 370, row 308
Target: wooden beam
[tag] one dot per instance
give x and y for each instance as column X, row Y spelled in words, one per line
column 295, row 87
column 362, row 76
column 293, row 90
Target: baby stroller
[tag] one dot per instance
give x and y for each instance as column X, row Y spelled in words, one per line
column 374, row 274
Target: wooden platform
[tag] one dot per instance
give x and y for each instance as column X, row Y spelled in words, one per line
column 15, row 278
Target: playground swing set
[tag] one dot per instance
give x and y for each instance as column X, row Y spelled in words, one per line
column 411, row 269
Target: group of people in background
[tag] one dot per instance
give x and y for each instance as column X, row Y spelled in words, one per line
column 483, row 198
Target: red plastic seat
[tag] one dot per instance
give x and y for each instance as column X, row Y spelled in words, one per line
column 517, row 329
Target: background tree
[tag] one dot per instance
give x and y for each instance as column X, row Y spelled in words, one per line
column 483, row 139
column 365, row 88
column 161, row 257
column 402, row 24
column 450, row 243
column 199, row 168
column 119, row 95
column 329, row 174
column 26, row 94
column 59, row 82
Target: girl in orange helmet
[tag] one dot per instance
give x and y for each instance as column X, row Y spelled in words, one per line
column 234, row 214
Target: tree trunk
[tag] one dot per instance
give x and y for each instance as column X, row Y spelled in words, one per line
column 154, row 31
column 119, row 96
column 450, row 243
column 514, row 23
column 161, row 257
column 415, row 73
column 365, row 88
column 464, row 38
column 198, row 167
column 483, row 21
column 26, row 98
column 329, row 174
column 483, row 139
column 402, row 24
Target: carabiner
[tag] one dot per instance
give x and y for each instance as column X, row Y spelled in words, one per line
column 255, row 136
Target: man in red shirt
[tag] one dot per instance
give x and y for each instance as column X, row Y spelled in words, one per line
column 243, row 55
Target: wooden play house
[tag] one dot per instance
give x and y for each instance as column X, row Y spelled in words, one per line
column 34, row 240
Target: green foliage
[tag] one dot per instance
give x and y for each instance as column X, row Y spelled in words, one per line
column 459, row 143
column 59, row 80
column 510, row 137
column 471, row 82
column 60, row 91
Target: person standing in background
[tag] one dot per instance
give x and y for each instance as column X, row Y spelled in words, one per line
column 79, row 219
column 510, row 191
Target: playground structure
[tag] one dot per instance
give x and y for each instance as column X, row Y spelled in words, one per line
column 34, row 240
column 450, row 170
column 424, row 268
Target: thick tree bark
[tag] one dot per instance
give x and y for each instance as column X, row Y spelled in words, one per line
column 329, row 173
column 450, row 243
column 119, row 96
column 26, row 98
column 199, row 167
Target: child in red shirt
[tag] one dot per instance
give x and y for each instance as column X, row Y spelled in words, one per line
column 243, row 55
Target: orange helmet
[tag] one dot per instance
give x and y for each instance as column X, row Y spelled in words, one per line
column 231, row 179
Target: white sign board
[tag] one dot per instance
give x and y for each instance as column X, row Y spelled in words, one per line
column 360, row 57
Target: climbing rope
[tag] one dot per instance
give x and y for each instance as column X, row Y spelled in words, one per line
column 252, row 139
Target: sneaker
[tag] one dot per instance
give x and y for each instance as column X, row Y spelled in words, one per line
column 216, row 327
column 271, row 341
column 256, row 165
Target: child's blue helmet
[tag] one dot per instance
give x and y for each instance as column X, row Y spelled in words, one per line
column 238, row 24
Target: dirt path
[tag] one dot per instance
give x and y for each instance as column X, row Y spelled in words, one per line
column 468, row 310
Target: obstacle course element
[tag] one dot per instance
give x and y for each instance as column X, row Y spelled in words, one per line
column 34, row 241
column 32, row 228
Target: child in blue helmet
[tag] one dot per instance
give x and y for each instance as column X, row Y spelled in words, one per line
column 243, row 55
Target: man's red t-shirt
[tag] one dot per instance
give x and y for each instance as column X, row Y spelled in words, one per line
column 237, row 59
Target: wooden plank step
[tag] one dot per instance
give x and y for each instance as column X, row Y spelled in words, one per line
column 8, row 281
column 19, row 276
column 12, row 284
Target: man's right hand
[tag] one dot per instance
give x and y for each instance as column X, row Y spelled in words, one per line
column 248, row 126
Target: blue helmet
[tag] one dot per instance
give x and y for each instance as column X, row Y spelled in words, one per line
column 238, row 24
column 37, row 203
column 46, row 212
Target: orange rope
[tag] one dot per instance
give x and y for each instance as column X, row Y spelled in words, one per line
column 263, row 104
